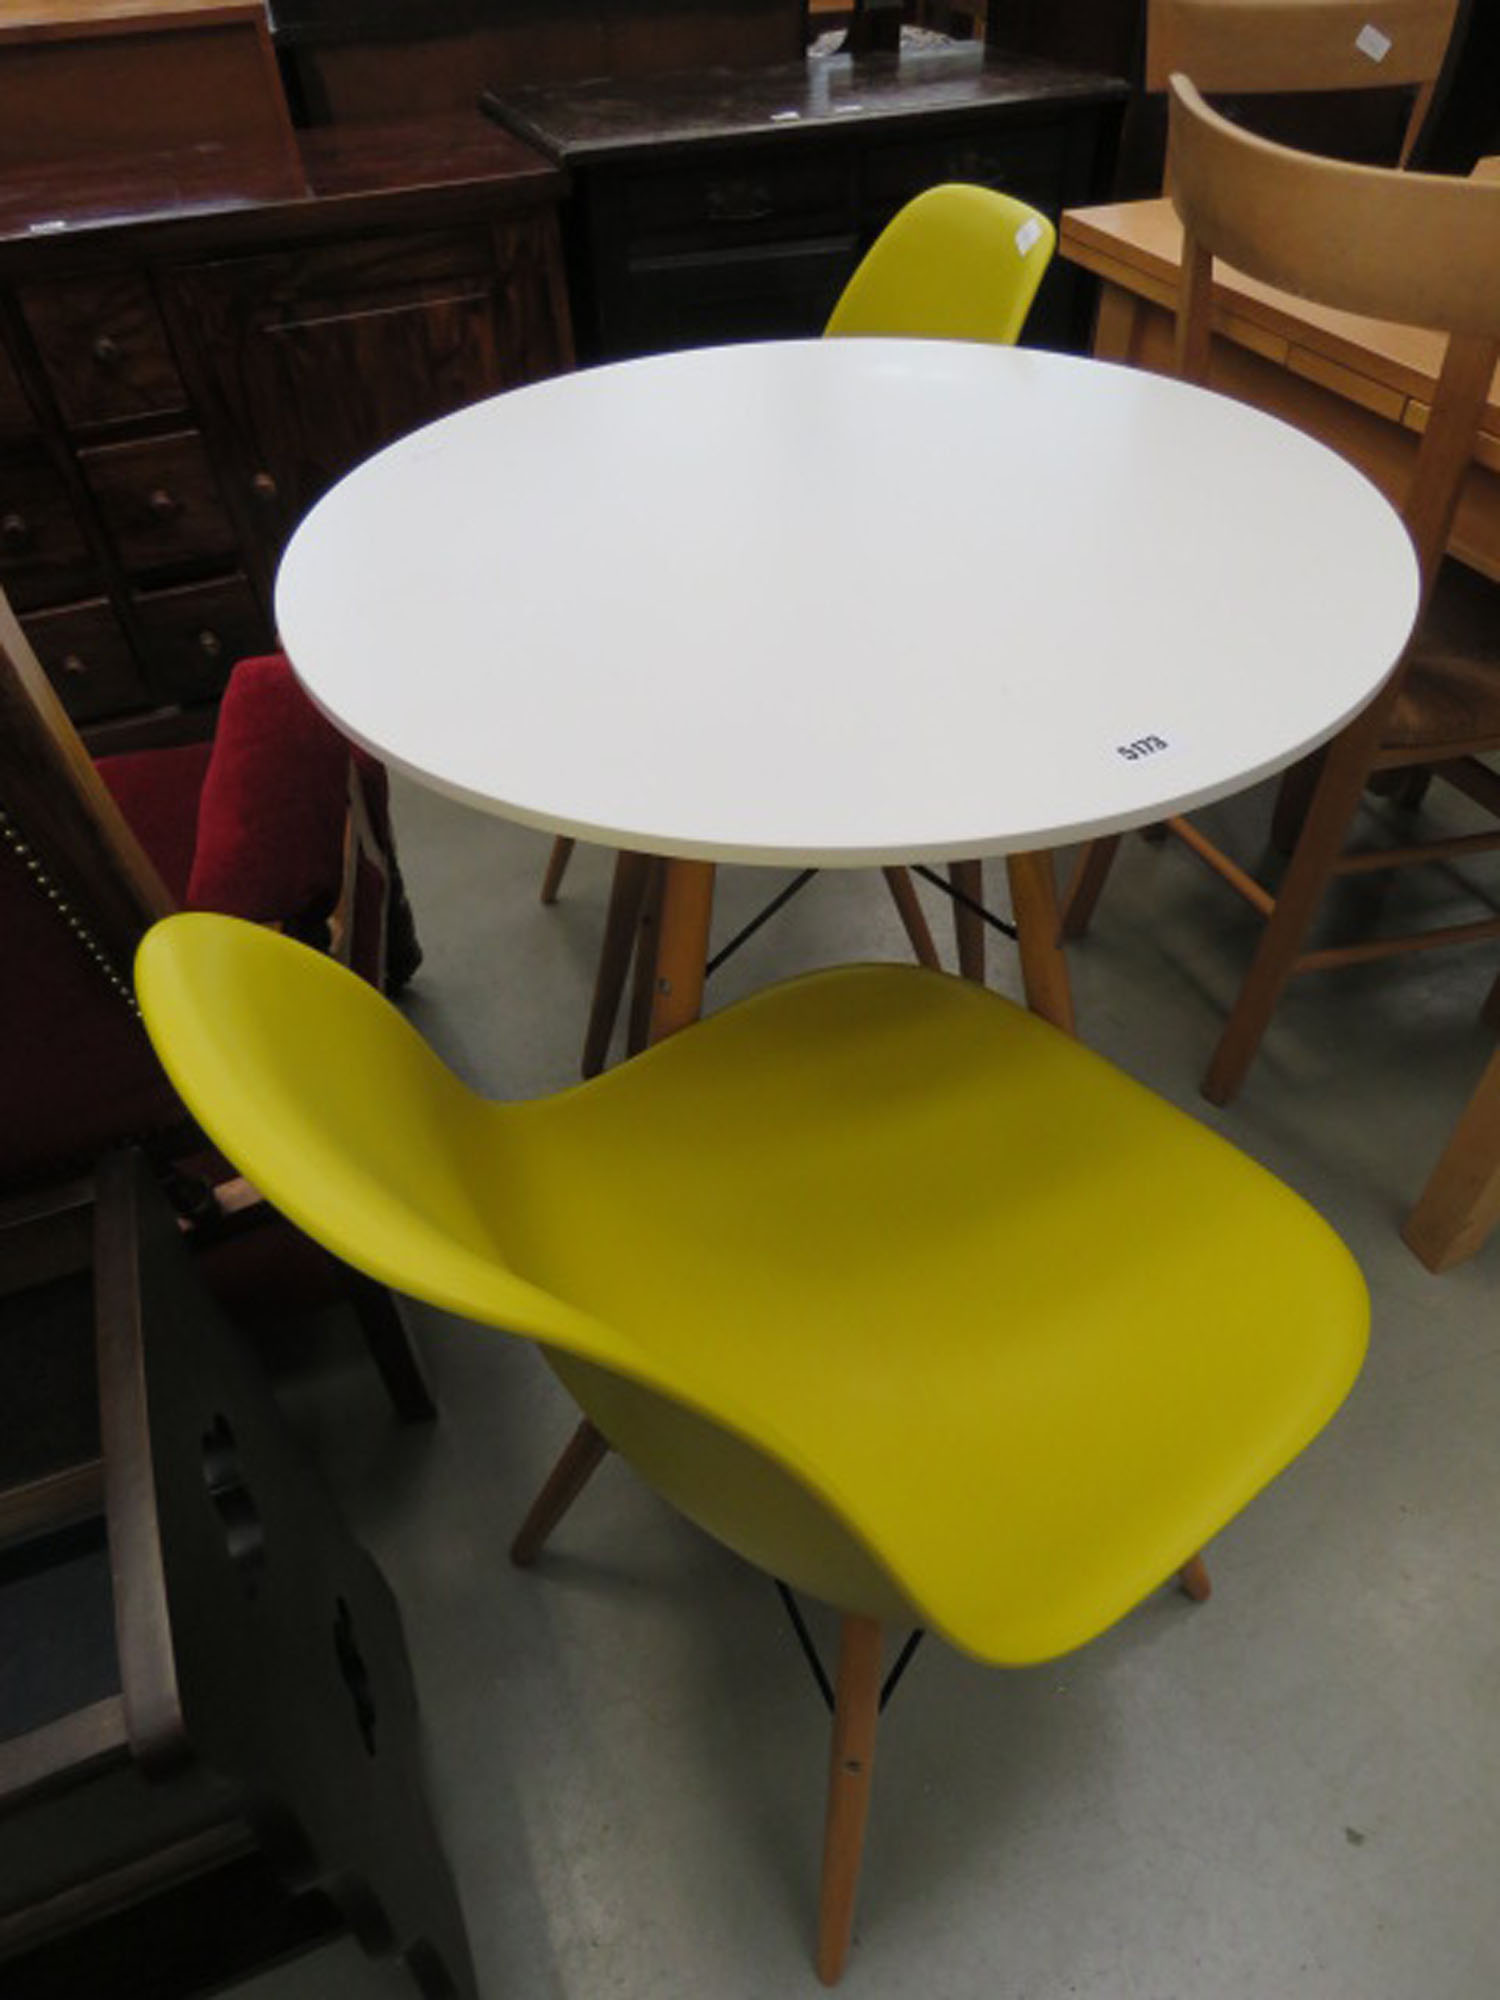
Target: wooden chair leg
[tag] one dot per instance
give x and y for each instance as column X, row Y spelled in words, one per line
column 1460, row 1204
column 391, row 1349
column 581, row 1458
column 1195, row 1580
column 627, row 893
column 1302, row 888
column 856, row 1712
column 1293, row 797
column 1086, row 884
column 913, row 917
column 967, row 877
column 557, row 867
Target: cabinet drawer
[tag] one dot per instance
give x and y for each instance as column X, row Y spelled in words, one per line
column 160, row 500
column 771, row 291
column 16, row 416
column 105, row 348
column 741, row 199
column 44, row 553
column 195, row 635
column 1027, row 161
column 88, row 660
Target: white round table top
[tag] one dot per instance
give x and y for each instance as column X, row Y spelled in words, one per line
column 842, row 602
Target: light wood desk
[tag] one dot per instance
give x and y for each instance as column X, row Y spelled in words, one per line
column 1360, row 385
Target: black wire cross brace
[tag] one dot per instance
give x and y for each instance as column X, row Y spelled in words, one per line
column 958, row 896
column 810, row 1652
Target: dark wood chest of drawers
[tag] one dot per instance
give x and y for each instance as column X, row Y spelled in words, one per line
column 186, row 363
column 733, row 204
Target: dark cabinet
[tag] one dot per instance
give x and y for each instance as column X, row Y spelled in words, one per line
column 733, row 204
column 179, row 385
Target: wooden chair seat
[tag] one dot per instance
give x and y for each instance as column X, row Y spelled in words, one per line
column 1452, row 690
column 1447, row 699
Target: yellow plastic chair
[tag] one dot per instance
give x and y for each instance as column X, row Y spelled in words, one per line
column 902, row 1294
column 958, row 262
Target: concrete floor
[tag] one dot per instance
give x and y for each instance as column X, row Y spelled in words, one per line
column 1293, row 1790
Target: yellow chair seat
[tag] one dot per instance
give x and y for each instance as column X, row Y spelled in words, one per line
column 906, row 1296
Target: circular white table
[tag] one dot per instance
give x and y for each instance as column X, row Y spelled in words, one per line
column 847, row 602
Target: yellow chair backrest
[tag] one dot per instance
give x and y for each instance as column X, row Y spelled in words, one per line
column 957, row 263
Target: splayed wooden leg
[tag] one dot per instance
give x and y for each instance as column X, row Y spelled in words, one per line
column 567, row 1479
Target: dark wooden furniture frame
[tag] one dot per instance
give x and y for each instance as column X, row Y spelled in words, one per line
column 733, row 204
column 252, row 1782
column 190, row 355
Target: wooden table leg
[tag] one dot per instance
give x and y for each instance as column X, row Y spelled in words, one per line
column 967, row 877
column 1044, row 969
column 681, row 954
column 581, row 1458
column 626, row 897
column 687, row 904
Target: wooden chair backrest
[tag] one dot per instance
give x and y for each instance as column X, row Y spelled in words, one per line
column 1292, row 45
column 1417, row 249
column 57, row 814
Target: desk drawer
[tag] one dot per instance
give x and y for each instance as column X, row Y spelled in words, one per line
column 105, row 349
column 703, row 202
column 160, row 501
column 1031, row 163
column 768, row 292
column 88, row 660
column 44, row 553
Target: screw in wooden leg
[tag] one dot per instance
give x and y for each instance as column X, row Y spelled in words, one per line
column 567, row 1479
column 856, row 1711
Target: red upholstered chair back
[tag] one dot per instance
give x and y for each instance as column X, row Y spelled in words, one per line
column 276, row 821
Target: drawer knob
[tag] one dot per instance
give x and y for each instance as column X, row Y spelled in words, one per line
column 15, row 531
column 163, row 504
column 210, row 645
column 106, row 351
column 75, row 664
column 263, row 486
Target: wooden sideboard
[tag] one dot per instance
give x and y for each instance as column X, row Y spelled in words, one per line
column 732, row 204
column 189, row 357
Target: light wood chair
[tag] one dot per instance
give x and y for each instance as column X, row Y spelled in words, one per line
column 1421, row 250
column 1248, row 47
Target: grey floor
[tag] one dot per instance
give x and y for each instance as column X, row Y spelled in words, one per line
column 1291, row 1790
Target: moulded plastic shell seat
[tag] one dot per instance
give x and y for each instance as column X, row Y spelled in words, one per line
column 903, row 1294
column 958, row 262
